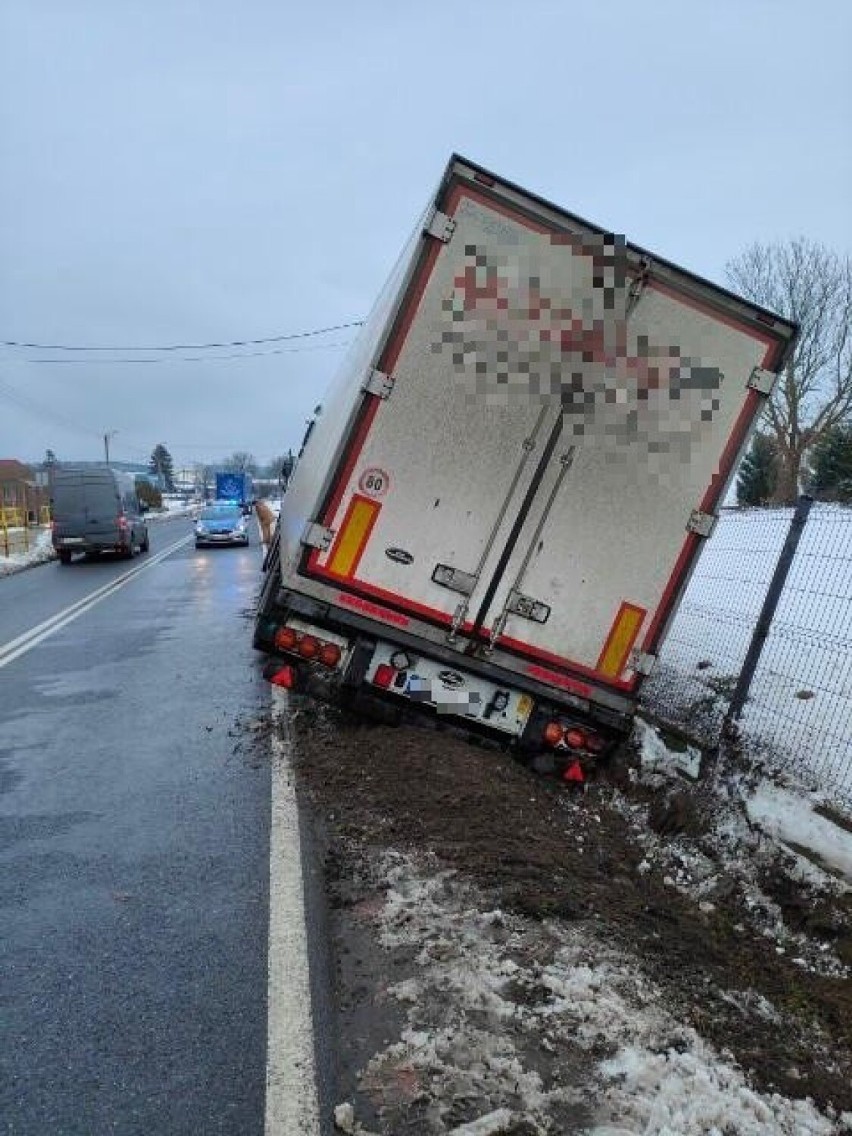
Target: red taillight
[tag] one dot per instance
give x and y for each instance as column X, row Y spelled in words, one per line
column 574, row 738
column 595, row 743
column 122, row 523
column 284, row 676
column 329, row 654
column 574, row 774
column 552, row 734
column 286, row 639
column 384, row 675
column 308, row 647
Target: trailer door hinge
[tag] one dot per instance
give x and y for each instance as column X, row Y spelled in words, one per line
column 761, row 380
column 527, row 607
column 702, row 524
column 317, row 536
column 379, row 383
column 642, row 662
column 441, row 226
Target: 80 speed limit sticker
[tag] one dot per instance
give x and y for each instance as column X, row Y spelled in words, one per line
column 374, row 482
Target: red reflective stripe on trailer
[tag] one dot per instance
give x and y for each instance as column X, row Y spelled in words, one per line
column 372, row 609
column 461, row 190
column 766, row 337
column 565, row 682
column 386, row 363
column 405, row 319
column 518, row 647
column 357, row 444
column 687, row 553
column 360, row 587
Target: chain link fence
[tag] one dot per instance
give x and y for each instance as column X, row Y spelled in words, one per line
column 799, row 706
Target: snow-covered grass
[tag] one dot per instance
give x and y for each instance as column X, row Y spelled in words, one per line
column 785, row 811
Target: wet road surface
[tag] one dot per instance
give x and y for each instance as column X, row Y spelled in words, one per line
column 133, row 850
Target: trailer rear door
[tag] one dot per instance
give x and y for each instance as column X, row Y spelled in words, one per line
column 563, row 417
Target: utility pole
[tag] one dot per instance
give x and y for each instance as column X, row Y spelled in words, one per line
column 109, row 434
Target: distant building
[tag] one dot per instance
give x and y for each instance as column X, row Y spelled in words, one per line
column 22, row 491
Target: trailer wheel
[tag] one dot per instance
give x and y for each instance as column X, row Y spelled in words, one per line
column 64, row 557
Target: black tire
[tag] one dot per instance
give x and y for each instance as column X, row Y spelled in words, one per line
column 64, row 557
column 145, row 545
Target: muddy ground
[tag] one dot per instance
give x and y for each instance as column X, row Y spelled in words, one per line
column 556, row 863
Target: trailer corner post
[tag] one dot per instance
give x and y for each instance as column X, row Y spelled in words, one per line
column 767, row 613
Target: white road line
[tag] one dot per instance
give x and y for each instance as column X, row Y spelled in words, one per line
column 29, row 639
column 291, row 1092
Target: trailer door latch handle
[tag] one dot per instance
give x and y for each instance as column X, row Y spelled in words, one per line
column 454, row 579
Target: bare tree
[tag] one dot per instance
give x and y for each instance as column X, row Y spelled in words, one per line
column 240, row 462
column 809, row 283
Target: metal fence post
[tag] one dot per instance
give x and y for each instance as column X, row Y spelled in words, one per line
column 767, row 612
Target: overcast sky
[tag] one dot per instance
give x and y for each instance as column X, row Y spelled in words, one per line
column 184, row 173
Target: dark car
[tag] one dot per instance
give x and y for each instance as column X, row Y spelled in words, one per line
column 95, row 509
column 221, row 524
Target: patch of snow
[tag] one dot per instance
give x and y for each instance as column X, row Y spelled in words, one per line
column 490, row 1125
column 39, row 552
column 790, row 818
column 627, row 1060
column 656, row 756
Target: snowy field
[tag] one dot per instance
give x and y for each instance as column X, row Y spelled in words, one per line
column 800, row 705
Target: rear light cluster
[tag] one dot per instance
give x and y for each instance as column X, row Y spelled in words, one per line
column 384, row 676
column 307, row 647
column 385, row 673
column 556, row 735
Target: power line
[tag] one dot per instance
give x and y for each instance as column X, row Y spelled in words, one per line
column 182, row 346
column 190, row 358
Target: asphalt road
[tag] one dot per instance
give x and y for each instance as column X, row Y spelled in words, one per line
column 134, row 845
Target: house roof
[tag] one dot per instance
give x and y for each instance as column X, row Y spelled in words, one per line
column 13, row 470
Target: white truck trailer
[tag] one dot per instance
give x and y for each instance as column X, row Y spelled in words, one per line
column 502, row 500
